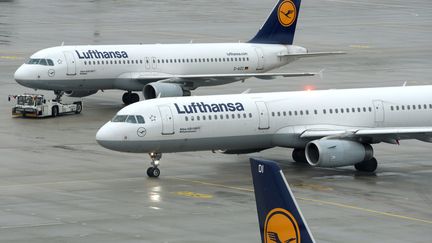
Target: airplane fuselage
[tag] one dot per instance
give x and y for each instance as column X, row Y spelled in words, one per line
column 249, row 122
column 125, row 67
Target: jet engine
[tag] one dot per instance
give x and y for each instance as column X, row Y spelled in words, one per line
column 336, row 152
column 153, row 90
column 80, row 93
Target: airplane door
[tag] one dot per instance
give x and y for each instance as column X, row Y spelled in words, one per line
column 260, row 56
column 147, row 63
column 70, row 61
column 167, row 120
column 263, row 115
column 379, row 111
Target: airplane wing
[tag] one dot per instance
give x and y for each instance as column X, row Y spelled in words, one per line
column 380, row 134
column 197, row 80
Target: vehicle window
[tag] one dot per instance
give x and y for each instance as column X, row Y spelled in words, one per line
column 131, row 119
column 140, row 119
column 29, row 100
column 50, row 62
column 119, row 118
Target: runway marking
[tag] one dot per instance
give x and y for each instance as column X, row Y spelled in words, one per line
column 194, row 195
column 360, row 46
column 10, row 57
column 341, row 205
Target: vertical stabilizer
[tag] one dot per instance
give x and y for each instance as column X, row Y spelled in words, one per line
column 280, row 26
column 280, row 219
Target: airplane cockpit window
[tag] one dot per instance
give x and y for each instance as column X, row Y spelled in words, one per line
column 40, row 61
column 140, row 119
column 119, row 118
column 131, row 119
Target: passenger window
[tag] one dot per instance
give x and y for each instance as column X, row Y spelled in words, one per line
column 301, row 113
column 140, row 119
column 284, row 113
column 204, row 117
column 131, row 119
column 244, row 115
column 238, row 116
column 278, row 113
column 370, row 109
column 221, row 117
column 250, row 115
column 119, row 118
column 198, row 118
column 215, row 117
column 227, row 116
column 273, row 114
column 186, row 118
column 209, row 117
column 233, row 116
column 391, row 107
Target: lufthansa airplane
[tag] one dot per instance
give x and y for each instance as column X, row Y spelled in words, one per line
column 326, row 128
column 167, row 70
column 279, row 217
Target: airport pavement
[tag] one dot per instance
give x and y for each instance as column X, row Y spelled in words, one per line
column 58, row 185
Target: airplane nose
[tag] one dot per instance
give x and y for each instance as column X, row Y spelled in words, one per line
column 108, row 138
column 21, row 76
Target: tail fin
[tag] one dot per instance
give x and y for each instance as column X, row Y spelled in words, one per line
column 279, row 216
column 280, row 26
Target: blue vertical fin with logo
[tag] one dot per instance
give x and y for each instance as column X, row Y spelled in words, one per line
column 272, row 191
column 273, row 30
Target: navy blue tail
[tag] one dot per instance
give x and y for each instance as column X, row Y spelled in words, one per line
column 280, row 26
column 280, row 219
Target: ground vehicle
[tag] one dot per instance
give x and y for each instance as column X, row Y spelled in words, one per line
column 35, row 105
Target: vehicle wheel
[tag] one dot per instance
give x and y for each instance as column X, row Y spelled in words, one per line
column 367, row 166
column 126, row 98
column 134, row 97
column 78, row 108
column 55, row 111
column 299, row 155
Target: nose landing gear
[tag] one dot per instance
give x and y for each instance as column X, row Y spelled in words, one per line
column 154, row 171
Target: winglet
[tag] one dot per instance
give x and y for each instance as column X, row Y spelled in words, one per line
column 279, row 216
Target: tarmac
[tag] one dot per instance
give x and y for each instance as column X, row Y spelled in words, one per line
column 58, row 185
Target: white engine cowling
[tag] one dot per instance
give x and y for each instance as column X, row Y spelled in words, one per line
column 80, row 93
column 153, row 90
column 336, row 152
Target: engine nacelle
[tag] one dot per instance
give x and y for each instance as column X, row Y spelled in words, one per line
column 336, row 152
column 153, row 90
column 80, row 93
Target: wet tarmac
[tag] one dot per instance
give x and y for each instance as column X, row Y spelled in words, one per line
column 58, row 185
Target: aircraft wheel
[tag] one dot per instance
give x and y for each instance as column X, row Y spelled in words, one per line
column 55, row 111
column 299, row 156
column 367, row 166
column 126, row 98
column 153, row 172
column 134, row 97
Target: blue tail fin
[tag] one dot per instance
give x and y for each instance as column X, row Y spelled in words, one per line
column 280, row 219
column 280, row 26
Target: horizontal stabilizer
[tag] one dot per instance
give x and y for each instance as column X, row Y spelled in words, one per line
column 312, row 54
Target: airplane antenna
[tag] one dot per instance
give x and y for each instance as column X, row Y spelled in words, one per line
column 62, row 44
column 404, row 84
column 246, row 91
column 191, row 41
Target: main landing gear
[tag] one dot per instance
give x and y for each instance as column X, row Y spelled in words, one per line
column 299, row 155
column 367, row 166
column 154, row 171
column 129, row 98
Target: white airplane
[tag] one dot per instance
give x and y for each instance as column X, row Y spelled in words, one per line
column 167, row 70
column 327, row 128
